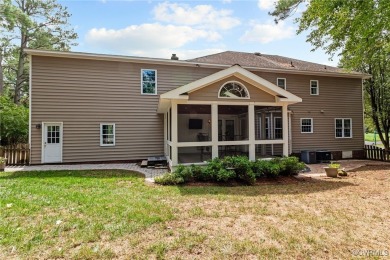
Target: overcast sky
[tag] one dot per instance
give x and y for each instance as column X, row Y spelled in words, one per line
column 188, row 28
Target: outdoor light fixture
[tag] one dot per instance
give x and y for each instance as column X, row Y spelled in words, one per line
column 38, row 126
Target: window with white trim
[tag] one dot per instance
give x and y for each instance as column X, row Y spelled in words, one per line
column 314, row 87
column 343, row 127
column 306, row 125
column 149, row 82
column 107, row 134
column 281, row 82
column 233, row 90
column 278, row 129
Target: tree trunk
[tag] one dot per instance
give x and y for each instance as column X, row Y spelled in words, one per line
column 20, row 69
column 1, row 72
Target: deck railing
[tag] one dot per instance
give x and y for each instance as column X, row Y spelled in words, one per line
column 376, row 153
column 18, row 154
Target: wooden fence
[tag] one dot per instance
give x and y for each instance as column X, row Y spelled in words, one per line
column 376, row 153
column 18, row 154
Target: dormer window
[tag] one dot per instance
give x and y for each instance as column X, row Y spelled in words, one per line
column 233, row 90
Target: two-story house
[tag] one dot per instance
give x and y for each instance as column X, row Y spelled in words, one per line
column 91, row 107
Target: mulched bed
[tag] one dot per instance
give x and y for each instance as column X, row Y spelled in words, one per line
column 282, row 180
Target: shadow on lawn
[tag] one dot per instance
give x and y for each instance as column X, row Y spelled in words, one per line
column 72, row 173
column 300, row 187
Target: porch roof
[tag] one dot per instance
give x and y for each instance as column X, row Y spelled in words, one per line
column 181, row 93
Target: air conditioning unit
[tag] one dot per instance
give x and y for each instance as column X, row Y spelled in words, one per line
column 323, row 156
column 308, row 157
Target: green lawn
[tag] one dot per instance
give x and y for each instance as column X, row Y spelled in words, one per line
column 369, row 137
column 114, row 214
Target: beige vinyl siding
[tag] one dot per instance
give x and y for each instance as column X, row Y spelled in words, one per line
column 338, row 98
column 84, row 93
column 210, row 93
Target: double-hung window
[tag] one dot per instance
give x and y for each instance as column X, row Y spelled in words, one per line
column 343, row 127
column 281, row 82
column 314, row 87
column 306, row 125
column 107, row 134
column 149, row 82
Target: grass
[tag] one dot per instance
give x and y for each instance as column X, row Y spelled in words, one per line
column 114, row 214
column 369, row 137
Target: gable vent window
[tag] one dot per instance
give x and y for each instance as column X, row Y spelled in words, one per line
column 233, row 90
column 281, row 82
column 149, row 82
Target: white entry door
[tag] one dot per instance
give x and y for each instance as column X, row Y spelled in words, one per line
column 52, row 143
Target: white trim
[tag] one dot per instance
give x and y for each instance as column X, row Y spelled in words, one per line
column 251, row 132
column 156, row 61
column 194, row 144
column 165, row 134
column 234, row 82
column 289, row 133
column 214, row 130
column 342, row 118
column 174, row 142
column 285, row 83
column 238, row 72
column 285, row 130
column 311, row 125
column 101, row 134
column 29, row 107
column 318, row 87
column 155, row 82
column 43, row 139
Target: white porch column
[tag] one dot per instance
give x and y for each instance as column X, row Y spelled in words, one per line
column 174, row 155
column 214, row 130
column 165, row 134
column 251, row 120
column 285, row 130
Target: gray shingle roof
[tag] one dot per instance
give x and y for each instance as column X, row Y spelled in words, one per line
column 265, row 61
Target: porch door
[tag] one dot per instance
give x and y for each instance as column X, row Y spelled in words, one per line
column 52, row 143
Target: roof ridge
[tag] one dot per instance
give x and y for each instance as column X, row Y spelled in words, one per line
column 213, row 54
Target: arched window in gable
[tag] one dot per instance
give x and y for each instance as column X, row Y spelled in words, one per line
column 233, row 89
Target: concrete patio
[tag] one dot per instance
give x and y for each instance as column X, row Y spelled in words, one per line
column 317, row 169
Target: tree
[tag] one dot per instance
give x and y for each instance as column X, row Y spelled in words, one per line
column 38, row 24
column 13, row 122
column 360, row 31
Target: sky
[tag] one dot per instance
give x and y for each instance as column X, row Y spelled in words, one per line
column 187, row 28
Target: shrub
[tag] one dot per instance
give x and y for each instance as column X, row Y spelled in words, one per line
column 242, row 167
column 184, row 172
column 169, row 179
column 290, row 166
column 267, row 168
column 211, row 171
column 197, row 171
column 224, row 175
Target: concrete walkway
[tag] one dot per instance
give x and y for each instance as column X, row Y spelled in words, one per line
column 148, row 172
column 316, row 170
